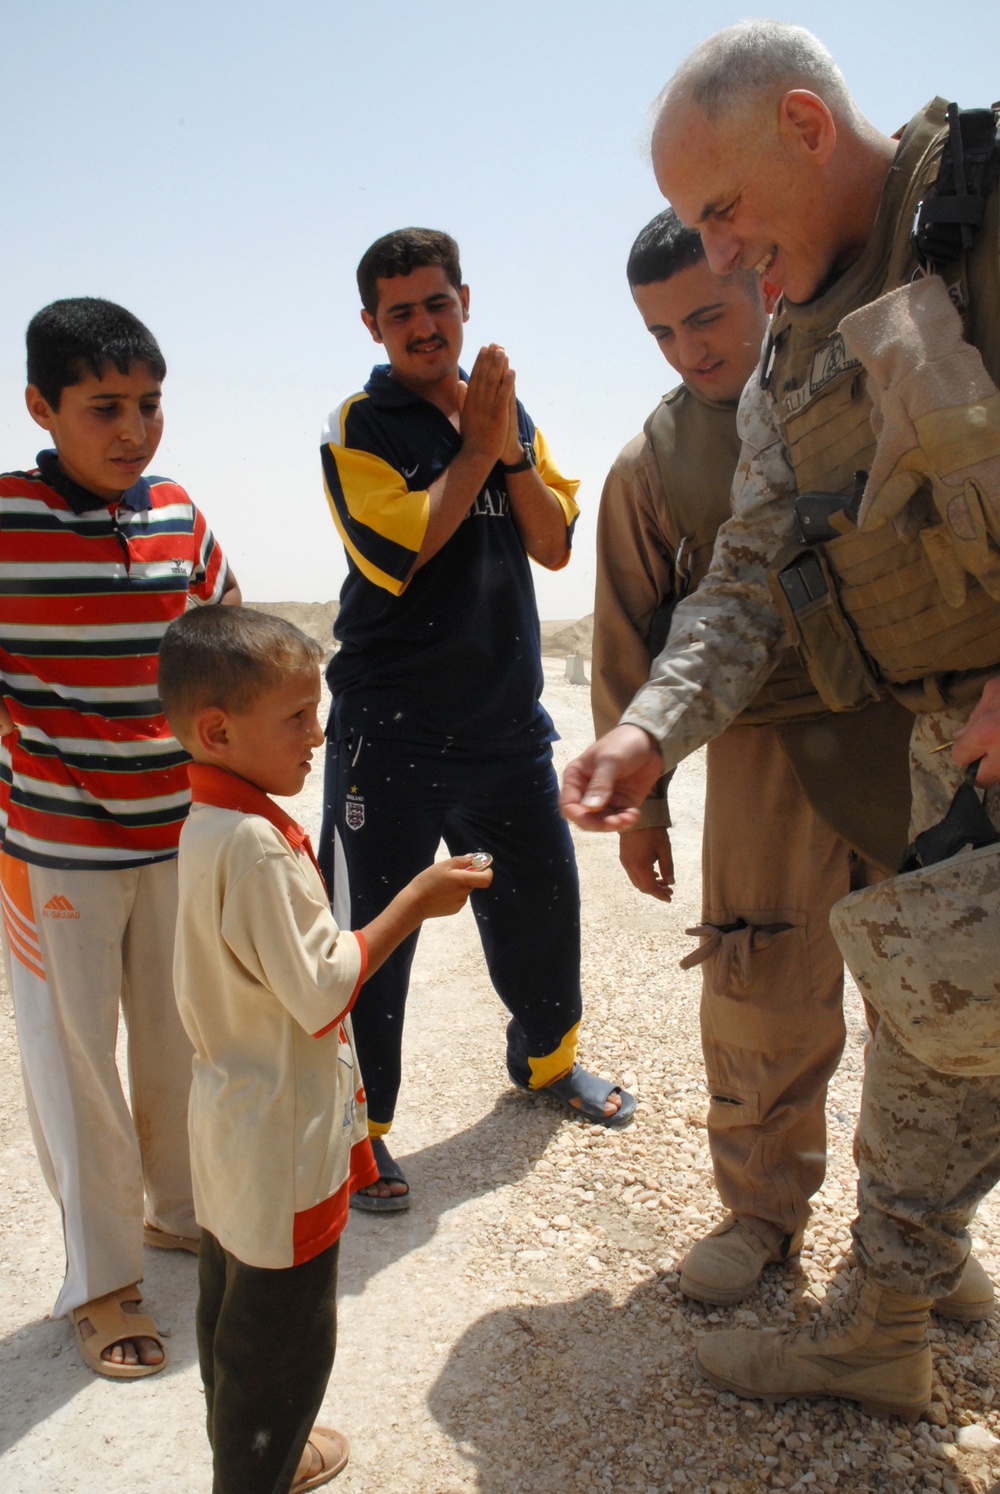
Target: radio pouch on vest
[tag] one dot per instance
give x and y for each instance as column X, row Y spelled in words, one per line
column 806, row 599
column 948, row 217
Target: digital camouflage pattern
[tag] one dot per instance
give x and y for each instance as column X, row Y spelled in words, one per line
column 928, row 1151
column 928, row 1142
column 934, row 774
column 925, row 947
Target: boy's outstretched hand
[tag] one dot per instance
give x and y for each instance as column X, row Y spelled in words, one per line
column 444, row 887
column 434, row 893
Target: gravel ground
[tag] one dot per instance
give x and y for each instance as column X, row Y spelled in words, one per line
column 519, row 1329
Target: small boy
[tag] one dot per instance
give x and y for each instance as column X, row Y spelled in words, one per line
column 265, row 981
column 95, row 560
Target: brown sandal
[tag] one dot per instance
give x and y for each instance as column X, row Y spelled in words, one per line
column 112, row 1325
column 333, row 1450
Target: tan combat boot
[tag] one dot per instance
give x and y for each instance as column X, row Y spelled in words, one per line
column 973, row 1298
column 879, row 1356
column 727, row 1264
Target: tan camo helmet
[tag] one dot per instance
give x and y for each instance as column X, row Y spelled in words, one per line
column 924, row 948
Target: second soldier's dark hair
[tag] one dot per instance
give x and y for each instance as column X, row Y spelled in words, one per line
column 83, row 334
column 663, row 247
column 400, row 253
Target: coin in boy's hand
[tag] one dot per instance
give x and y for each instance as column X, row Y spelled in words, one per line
column 480, row 860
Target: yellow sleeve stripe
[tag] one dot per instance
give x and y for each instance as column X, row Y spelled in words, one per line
column 378, row 499
column 381, row 522
column 371, row 572
column 564, row 488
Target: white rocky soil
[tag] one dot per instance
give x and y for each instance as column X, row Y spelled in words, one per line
column 519, row 1329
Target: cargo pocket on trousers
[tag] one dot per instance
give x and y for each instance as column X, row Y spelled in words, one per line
column 731, row 1105
column 756, row 979
column 732, row 948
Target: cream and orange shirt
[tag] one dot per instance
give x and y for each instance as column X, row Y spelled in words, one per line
column 265, row 981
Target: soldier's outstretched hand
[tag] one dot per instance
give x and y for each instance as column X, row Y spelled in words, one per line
column 980, row 736
column 603, row 788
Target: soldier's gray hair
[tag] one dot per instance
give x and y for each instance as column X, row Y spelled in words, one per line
column 735, row 70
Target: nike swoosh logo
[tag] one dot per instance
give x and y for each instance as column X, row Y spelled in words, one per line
column 412, row 471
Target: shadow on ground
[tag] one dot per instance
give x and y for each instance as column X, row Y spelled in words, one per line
column 40, row 1367
column 498, row 1149
column 41, row 1370
column 588, row 1394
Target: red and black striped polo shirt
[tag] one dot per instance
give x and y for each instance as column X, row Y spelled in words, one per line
column 92, row 779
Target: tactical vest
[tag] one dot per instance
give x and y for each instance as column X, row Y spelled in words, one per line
column 861, row 793
column 697, row 450
column 927, row 652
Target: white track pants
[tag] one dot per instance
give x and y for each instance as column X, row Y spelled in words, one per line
column 79, row 945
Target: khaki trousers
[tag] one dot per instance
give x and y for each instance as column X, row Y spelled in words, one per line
column 79, row 944
column 772, row 994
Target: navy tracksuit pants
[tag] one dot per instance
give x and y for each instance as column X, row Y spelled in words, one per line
column 390, row 804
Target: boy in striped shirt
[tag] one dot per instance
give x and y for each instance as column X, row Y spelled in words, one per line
column 95, row 561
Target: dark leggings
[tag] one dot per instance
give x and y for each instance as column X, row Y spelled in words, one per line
column 391, row 805
column 266, row 1342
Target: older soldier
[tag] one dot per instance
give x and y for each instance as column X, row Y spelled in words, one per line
column 759, row 145
column 784, row 778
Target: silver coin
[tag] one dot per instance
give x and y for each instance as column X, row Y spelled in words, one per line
column 480, row 860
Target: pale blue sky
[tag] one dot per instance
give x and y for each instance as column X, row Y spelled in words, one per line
column 219, row 169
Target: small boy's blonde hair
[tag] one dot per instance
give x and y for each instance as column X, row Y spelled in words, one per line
column 228, row 657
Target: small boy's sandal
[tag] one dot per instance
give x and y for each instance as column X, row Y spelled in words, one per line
column 592, row 1093
column 111, row 1325
column 162, row 1239
column 325, row 1455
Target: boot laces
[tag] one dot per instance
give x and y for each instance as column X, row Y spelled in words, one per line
column 821, row 1328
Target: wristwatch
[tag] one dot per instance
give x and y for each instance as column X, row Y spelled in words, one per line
column 528, row 460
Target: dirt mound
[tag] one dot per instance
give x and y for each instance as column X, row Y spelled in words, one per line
column 314, row 618
column 560, row 638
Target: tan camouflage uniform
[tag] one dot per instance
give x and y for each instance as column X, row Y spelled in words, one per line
column 914, row 1201
column 929, row 1148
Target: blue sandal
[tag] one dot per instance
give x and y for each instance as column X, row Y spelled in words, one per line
column 593, row 1094
column 388, row 1172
